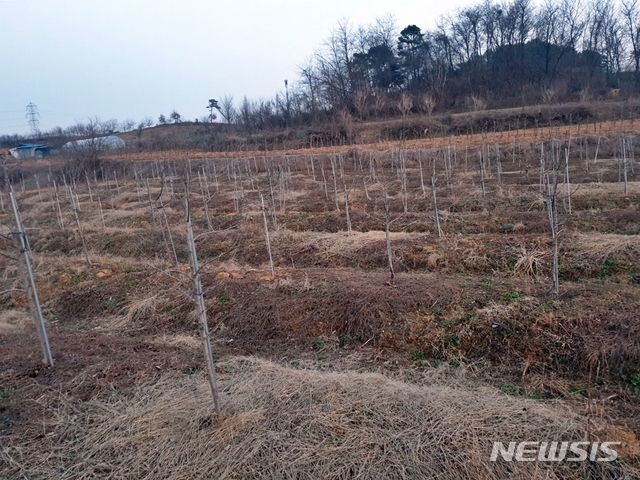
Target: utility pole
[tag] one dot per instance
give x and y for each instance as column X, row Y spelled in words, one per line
column 286, row 90
column 33, row 119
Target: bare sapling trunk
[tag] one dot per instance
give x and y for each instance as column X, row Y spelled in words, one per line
column 274, row 214
column 135, row 174
column 75, row 208
column 624, row 166
column 335, row 184
column 89, row 186
column 57, row 199
column 405, row 199
column 346, row 208
column 32, row 291
column 424, row 192
column 551, row 194
column 372, row 167
column 111, row 192
column 166, row 222
column 282, row 188
column 153, row 218
column 366, row 191
column 215, row 177
column 566, row 176
column 435, row 202
column 205, row 201
column 266, row 235
column 38, row 186
column 236, row 201
column 104, row 228
column 198, row 298
column 388, row 238
column 466, row 158
column 324, row 182
column 480, row 157
column 499, row 165
column 542, row 174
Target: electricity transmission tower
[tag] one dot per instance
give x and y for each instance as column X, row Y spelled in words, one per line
column 33, row 118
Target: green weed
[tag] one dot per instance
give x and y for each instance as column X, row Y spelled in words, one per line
column 511, row 296
column 417, row 356
column 510, row 389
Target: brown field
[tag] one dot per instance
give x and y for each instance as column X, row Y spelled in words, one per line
column 510, row 137
column 330, row 368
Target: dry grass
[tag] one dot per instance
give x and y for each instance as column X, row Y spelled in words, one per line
column 332, row 244
column 279, row 422
column 530, row 262
column 605, row 188
column 13, row 320
column 599, row 246
column 142, row 309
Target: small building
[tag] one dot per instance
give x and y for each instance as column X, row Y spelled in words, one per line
column 30, row 150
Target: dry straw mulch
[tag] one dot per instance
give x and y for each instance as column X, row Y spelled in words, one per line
column 280, row 422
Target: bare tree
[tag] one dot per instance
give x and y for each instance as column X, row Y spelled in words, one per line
column 428, row 103
column 227, row 109
column 360, row 99
column 405, row 104
column 630, row 11
column 379, row 102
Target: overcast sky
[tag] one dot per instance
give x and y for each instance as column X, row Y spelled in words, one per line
column 135, row 58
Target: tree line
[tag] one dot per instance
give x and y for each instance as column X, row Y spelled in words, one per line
column 492, row 54
column 488, row 55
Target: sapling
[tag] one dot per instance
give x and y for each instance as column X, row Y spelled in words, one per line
column 335, row 183
column 346, row 208
column 57, row 200
column 198, row 298
column 387, row 236
column 424, row 192
column 32, row 291
column 153, row 218
column 435, row 201
column 324, row 182
column 266, row 235
column 75, row 208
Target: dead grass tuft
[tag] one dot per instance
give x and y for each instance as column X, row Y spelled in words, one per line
column 143, row 309
column 530, row 263
column 279, row 422
column 13, row 320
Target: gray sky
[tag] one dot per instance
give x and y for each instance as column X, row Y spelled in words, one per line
column 135, row 58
